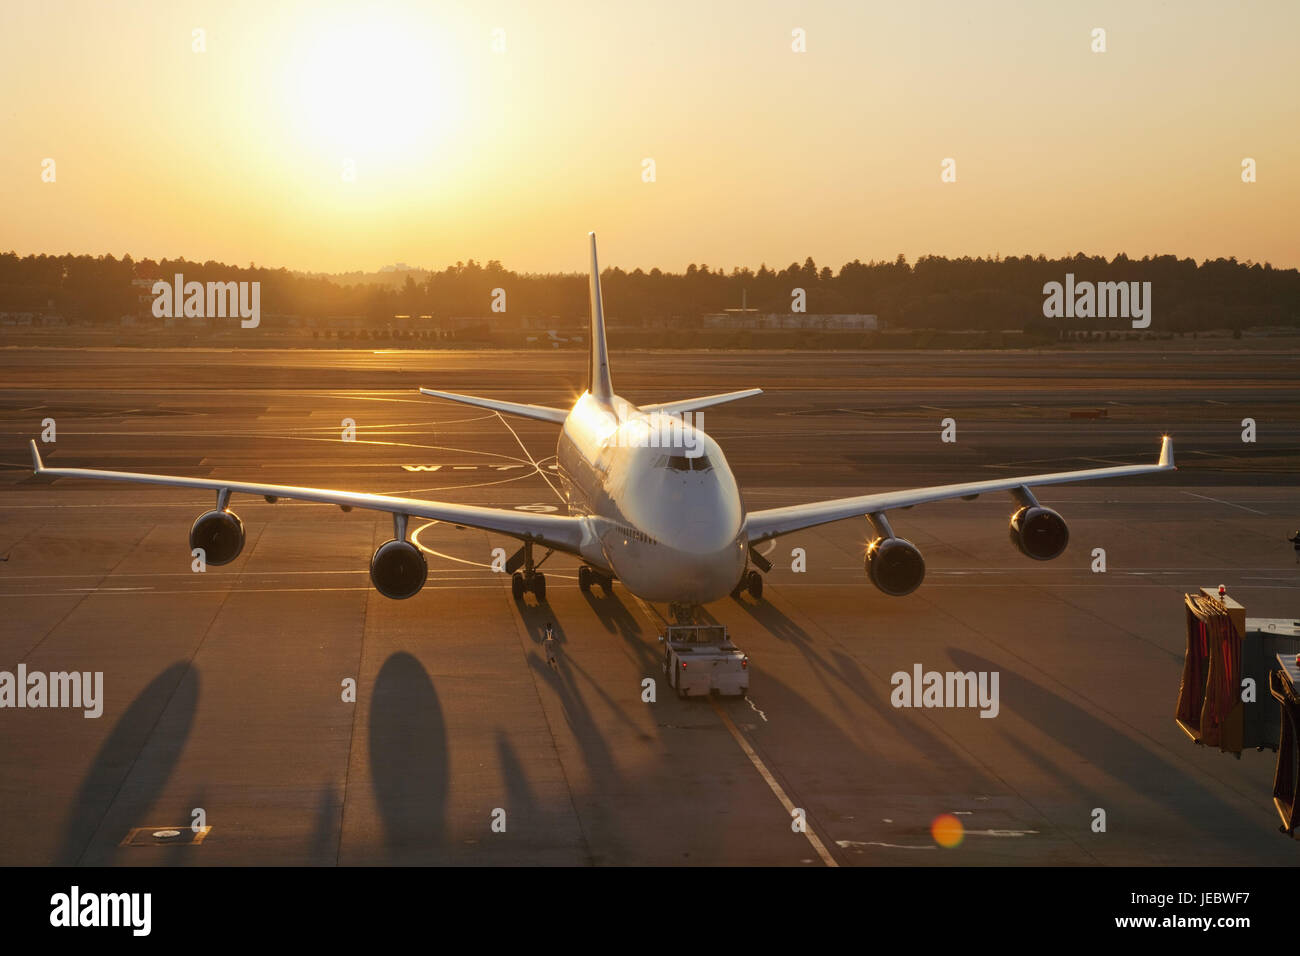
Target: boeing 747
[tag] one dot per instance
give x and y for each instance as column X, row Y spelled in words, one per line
column 652, row 503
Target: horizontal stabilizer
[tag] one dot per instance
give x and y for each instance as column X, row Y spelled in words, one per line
column 539, row 412
column 694, row 404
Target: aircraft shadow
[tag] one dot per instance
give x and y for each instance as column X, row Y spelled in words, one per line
column 409, row 765
column 1096, row 742
column 173, row 694
column 845, row 673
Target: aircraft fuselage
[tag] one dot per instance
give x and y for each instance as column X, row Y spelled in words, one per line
column 673, row 525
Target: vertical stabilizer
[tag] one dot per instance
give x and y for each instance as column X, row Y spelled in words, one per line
column 598, row 381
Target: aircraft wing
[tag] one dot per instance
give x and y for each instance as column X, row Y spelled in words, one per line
column 771, row 522
column 561, row 532
column 692, row 404
column 539, row 412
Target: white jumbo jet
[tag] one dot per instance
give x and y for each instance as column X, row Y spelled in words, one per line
column 664, row 517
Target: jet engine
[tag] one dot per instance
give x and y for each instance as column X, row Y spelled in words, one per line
column 221, row 536
column 398, row 569
column 1040, row 533
column 895, row 566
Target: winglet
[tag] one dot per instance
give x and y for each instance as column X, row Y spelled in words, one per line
column 37, row 465
column 1166, row 452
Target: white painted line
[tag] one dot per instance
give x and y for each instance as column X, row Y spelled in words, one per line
column 1222, row 502
column 772, row 784
column 232, row 590
column 849, row 844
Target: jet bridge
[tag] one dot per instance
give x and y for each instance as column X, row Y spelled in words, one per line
column 1240, row 688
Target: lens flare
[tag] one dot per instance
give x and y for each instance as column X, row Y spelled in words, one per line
column 947, row 831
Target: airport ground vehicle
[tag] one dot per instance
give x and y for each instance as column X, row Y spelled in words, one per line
column 700, row 659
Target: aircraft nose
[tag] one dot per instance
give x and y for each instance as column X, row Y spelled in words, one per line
column 702, row 526
column 704, row 532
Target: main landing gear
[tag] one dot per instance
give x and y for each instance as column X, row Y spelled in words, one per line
column 523, row 582
column 589, row 576
column 752, row 582
column 529, row 579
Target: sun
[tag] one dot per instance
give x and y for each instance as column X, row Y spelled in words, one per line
column 375, row 88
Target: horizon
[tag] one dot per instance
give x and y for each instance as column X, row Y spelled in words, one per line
column 396, row 269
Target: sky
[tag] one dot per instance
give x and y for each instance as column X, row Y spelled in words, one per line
column 339, row 136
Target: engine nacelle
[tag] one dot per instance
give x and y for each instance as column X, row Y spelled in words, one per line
column 221, row 536
column 1040, row 533
column 398, row 569
column 895, row 566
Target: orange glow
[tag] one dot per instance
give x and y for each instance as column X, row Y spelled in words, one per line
column 947, row 831
column 335, row 136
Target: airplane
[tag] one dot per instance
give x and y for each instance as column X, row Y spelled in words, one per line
column 652, row 503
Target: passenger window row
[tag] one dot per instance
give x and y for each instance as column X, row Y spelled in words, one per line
column 633, row 535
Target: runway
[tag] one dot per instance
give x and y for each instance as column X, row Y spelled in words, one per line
column 225, row 690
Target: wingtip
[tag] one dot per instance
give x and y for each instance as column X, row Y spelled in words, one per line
column 37, row 465
column 1167, row 452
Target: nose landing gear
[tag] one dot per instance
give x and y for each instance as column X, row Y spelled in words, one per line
column 752, row 582
column 589, row 576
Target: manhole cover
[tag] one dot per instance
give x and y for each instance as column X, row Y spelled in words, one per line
column 165, row 836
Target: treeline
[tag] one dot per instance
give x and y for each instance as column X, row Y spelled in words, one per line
column 934, row 292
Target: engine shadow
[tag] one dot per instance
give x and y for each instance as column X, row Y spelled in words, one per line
column 162, row 714
column 409, row 764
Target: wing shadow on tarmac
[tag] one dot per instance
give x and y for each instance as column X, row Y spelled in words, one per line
column 615, row 618
column 132, row 766
column 1134, row 766
column 323, row 850
column 872, row 689
column 539, row 836
column 408, row 761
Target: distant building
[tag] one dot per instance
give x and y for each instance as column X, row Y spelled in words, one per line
column 41, row 319
column 144, row 297
column 753, row 319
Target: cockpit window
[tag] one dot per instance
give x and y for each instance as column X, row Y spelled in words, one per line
column 684, row 463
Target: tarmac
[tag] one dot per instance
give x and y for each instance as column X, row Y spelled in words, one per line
column 227, row 702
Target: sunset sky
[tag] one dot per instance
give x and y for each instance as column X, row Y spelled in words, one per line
column 762, row 154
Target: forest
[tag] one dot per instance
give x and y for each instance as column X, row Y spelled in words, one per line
column 933, row 292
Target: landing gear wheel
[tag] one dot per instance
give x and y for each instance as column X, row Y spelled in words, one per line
column 606, row 584
column 539, row 587
column 584, row 579
column 517, row 585
column 755, row 585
